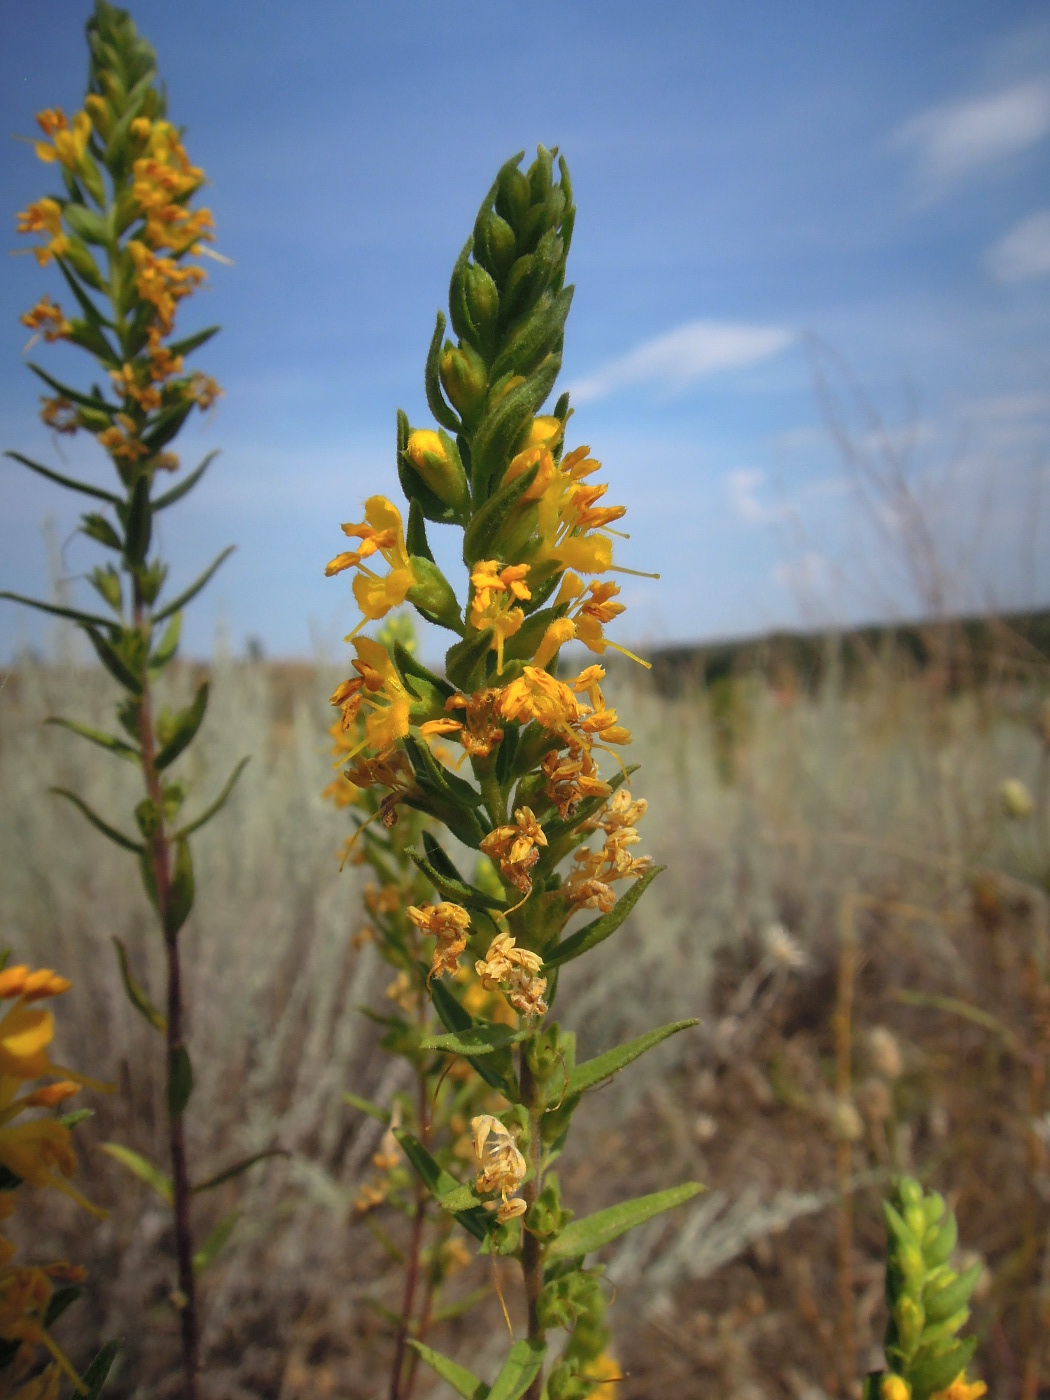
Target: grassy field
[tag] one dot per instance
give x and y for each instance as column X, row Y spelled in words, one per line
column 848, row 907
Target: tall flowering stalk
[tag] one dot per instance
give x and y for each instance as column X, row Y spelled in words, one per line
column 538, row 776
column 928, row 1303
column 37, row 1153
column 124, row 235
column 445, row 1095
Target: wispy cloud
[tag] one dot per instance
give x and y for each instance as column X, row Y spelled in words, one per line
column 742, row 489
column 1024, row 253
column 956, row 141
column 682, row 356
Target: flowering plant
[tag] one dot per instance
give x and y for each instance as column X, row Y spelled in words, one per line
column 526, row 792
column 124, row 235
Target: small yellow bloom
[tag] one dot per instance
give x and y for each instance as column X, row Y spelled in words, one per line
column 69, row 142
column 961, row 1389
column 45, row 216
column 448, row 923
column 503, row 1168
column 48, row 320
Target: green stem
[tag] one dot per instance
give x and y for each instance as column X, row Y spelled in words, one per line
column 160, row 859
column 531, row 1249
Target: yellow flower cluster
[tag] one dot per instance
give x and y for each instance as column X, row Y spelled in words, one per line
column 38, row 1153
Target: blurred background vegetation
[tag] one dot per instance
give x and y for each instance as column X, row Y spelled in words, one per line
column 856, row 905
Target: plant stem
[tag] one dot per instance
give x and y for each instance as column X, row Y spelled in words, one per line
column 160, row 859
column 531, row 1252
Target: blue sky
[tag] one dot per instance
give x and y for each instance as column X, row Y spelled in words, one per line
column 812, row 259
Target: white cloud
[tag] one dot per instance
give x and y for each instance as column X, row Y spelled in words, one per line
column 742, row 488
column 960, row 139
column 685, row 355
column 1024, row 253
column 805, row 575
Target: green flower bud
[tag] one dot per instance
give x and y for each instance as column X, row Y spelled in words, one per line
column 465, row 380
column 495, row 245
column 434, row 456
column 432, row 593
column 910, row 1318
column 482, row 297
column 513, row 197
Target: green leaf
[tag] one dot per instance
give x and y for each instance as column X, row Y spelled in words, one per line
column 138, row 1166
column 595, row 1071
column 186, row 484
column 599, row 929
column 61, row 1299
column 94, row 1378
column 480, row 534
column 495, row 1069
column 479, row 1039
column 96, row 736
column 97, row 527
column 215, row 1243
column 581, row 1236
column 218, row 804
column 180, row 1081
column 522, row 1366
column 92, row 314
column 464, row 660
column 85, row 619
column 96, row 821
column 435, row 399
column 933, row 1373
column 462, row 1381
column 113, row 661
column 69, row 482
column 238, row 1168
column 181, row 890
column 430, row 772
column 139, row 525
column 135, row 994
column 186, row 724
column 189, row 343
column 168, row 644
column 85, row 400
column 477, row 1221
column 180, row 602
column 456, row 890
column 364, row 1106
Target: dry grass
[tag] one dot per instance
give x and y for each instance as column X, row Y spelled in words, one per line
column 867, row 821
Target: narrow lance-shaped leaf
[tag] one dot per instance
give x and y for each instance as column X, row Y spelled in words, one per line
column 135, row 993
column 599, row 929
column 180, row 1081
column 97, row 736
column 113, row 661
column 74, row 614
column 186, row 725
column 138, row 1166
column 216, row 1242
column 139, row 525
column 595, row 1071
column 180, row 602
column 520, row 1369
column 181, row 889
column 495, row 1069
column 168, row 644
column 462, row 1381
column 94, row 1378
column 85, row 400
column 185, row 485
column 238, row 1168
column 97, row 822
column 70, row 482
column 439, row 1183
column 582, row 1236
column 479, row 1039
column 218, row 804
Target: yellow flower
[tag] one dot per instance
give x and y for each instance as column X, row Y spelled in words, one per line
column 48, row 320
column 960, row 1389
column 503, row 1168
column 448, row 923
column 381, row 532
column 505, row 963
column 515, row 848
column 45, row 216
column 495, row 591
column 69, row 142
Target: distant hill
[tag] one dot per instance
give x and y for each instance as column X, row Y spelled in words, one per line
column 961, row 651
